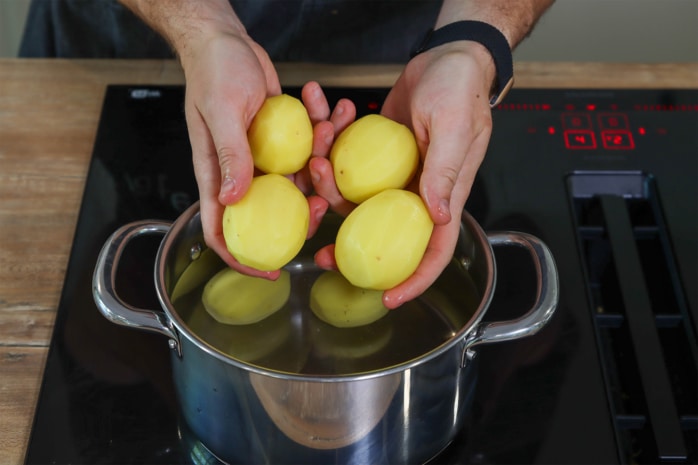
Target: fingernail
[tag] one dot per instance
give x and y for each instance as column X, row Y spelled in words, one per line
column 444, row 207
column 392, row 302
column 229, row 184
column 315, row 176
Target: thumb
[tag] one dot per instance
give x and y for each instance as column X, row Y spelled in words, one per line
column 228, row 127
column 236, row 165
column 229, row 136
column 440, row 173
column 452, row 161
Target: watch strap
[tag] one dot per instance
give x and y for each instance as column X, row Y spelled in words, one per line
column 487, row 35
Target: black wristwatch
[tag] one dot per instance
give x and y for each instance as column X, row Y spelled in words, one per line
column 487, row 35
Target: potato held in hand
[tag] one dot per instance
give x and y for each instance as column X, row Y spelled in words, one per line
column 267, row 228
column 281, row 135
column 336, row 301
column 383, row 240
column 373, row 154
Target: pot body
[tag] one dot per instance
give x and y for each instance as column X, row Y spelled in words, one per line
column 404, row 412
column 404, row 417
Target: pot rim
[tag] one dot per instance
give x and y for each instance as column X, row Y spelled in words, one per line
column 467, row 222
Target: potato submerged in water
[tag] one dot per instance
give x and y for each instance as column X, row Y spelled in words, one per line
column 373, row 154
column 336, row 301
column 233, row 298
column 281, row 135
column 267, row 228
column 382, row 241
column 195, row 274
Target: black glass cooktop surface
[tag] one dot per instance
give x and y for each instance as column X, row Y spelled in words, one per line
column 607, row 179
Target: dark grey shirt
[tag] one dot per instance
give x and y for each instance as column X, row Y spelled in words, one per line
column 329, row 31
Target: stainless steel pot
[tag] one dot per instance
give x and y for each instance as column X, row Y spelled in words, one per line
column 401, row 408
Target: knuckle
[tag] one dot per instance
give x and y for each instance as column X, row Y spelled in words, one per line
column 226, row 155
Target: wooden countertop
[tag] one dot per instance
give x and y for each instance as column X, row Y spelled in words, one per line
column 49, row 111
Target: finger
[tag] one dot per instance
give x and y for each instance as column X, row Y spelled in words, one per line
column 322, row 174
column 436, row 257
column 453, row 156
column 302, row 180
column 229, row 135
column 211, row 212
column 323, row 132
column 323, row 136
column 315, row 102
column 318, row 207
column 233, row 263
column 442, row 165
column 343, row 115
column 208, row 179
column 324, row 258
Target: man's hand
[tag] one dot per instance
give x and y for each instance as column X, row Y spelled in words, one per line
column 228, row 80
column 443, row 96
column 228, row 77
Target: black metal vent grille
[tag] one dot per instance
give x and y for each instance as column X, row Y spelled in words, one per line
column 646, row 339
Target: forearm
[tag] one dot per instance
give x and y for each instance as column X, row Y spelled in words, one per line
column 185, row 23
column 514, row 19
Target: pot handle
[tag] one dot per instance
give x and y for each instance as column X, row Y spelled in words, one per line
column 547, row 295
column 110, row 305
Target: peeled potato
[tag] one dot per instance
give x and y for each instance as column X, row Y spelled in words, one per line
column 352, row 349
column 196, row 274
column 281, row 135
column 382, row 241
column 373, row 154
column 238, row 299
column 267, row 228
column 336, row 301
column 248, row 343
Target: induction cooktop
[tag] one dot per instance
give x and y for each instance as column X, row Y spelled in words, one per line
column 606, row 178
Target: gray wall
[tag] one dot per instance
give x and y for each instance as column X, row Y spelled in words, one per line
column 12, row 14
column 572, row 30
column 615, row 30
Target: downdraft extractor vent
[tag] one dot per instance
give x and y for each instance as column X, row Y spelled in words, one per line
column 646, row 340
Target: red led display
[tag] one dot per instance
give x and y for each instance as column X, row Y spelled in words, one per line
column 580, row 134
column 524, row 106
column 576, row 121
column 580, row 139
column 591, row 126
column 617, row 140
column 613, row 121
column 665, row 107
